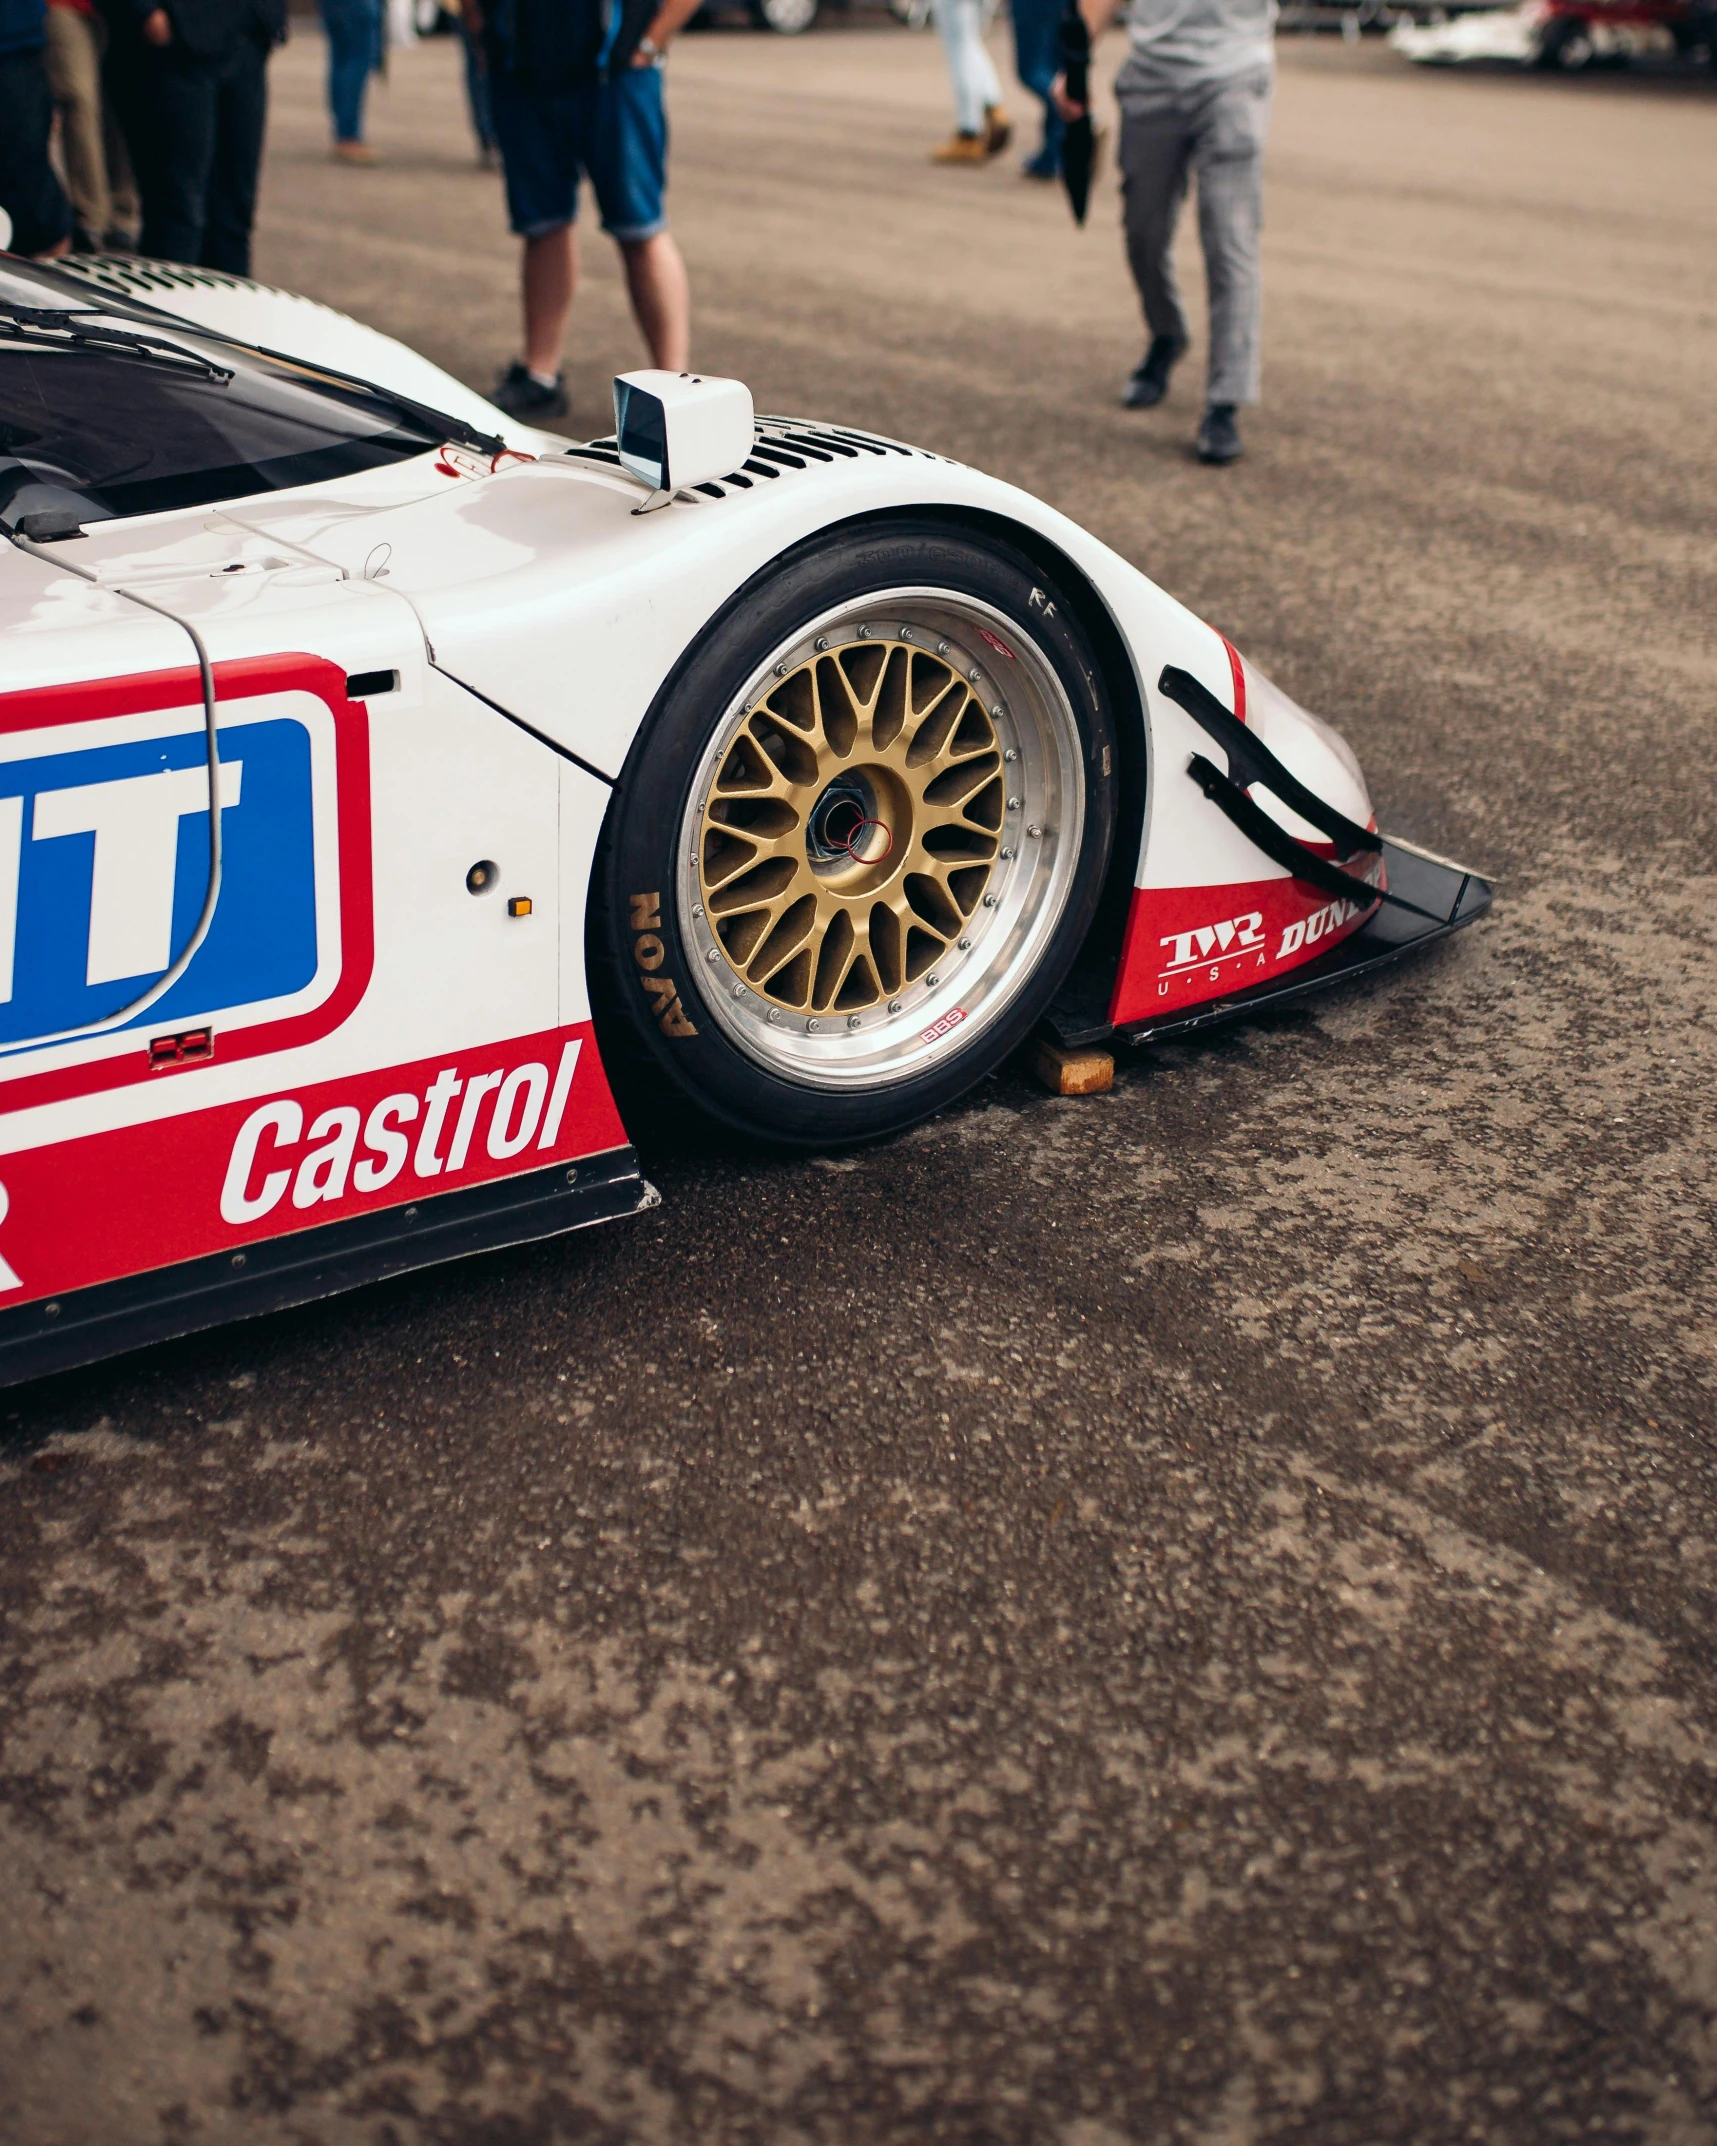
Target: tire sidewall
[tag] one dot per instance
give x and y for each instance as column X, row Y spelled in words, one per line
column 637, row 909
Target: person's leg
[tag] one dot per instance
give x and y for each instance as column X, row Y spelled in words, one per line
column 74, row 75
column 29, row 192
column 122, row 211
column 971, row 74
column 351, row 52
column 626, row 154
column 1154, row 152
column 241, row 121
column 661, row 295
column 477, row 92
column 182, row 94
column 539, row 156
column 1037, row 58
column 131, row 151
column 1229, row 160
column 549, row 283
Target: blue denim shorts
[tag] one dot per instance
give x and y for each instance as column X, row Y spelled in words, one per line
column 616, row 133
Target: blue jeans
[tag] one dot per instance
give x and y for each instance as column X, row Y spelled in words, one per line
column 477, row 89
column 354, row 30
column 614, row 133
column 1037, row 60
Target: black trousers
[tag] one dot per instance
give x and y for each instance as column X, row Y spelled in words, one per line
column 195, row 130
column 29, row 193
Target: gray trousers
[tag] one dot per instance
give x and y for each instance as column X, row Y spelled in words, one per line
column 1215, row 130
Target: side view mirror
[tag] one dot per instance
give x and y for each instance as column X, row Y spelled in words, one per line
column 679, row 429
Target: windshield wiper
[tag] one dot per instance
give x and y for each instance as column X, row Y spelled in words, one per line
column 59, row 328
column 436, row 425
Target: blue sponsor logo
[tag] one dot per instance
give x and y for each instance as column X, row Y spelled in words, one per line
column 104, row 860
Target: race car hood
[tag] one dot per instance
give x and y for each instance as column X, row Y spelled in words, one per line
column 542, row 587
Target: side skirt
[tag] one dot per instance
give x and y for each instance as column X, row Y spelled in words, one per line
column 86, row 1325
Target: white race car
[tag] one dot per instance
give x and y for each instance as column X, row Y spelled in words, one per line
column 770, row 769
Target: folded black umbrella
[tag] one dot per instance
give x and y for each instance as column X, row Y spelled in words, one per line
column 1079, row 143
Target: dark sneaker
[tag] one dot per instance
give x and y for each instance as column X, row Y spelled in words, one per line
column 1045, row 165
column 524, row 397
column 1150, row 380
column 1219, row 435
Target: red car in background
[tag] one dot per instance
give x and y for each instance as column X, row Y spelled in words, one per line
column 1584, row 33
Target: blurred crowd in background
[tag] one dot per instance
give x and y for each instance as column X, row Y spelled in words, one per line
column 138, row 125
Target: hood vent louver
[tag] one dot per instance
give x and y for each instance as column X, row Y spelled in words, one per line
column 782, row 445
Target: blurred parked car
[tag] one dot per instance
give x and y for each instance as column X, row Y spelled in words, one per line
column 1568, row 34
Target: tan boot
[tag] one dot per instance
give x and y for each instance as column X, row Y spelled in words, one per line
column 354, row 153
column 998, row 129
column 962, row 149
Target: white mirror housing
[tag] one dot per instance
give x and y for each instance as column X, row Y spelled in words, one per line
column 679, row 429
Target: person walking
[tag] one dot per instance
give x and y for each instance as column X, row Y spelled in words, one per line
column 30, row 194
column 477, row 98
column 193, row 105
column 354, row 32
column 104, row 200
column 574, row 93
column 1194, row 93
column 982, row 128
column 1037, row 62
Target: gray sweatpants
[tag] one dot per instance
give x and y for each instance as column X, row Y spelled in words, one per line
column 1215, row 130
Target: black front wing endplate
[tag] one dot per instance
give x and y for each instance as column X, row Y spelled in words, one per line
column 1445, row 896
column 85, row 1325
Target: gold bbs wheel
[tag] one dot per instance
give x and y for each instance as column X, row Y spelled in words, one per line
column 880, row 836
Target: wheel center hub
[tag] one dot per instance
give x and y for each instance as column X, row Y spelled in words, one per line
column 857, row 823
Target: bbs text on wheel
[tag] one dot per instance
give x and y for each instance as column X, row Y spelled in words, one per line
column 859, row 840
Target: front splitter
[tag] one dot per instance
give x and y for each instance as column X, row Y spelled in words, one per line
column 1453, row 896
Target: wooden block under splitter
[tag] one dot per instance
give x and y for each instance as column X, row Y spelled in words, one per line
column 1082, row 1072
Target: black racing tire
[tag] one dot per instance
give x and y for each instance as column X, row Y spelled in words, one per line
column 957, row 900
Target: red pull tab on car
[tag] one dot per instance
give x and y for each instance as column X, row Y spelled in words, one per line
column 190, row 1047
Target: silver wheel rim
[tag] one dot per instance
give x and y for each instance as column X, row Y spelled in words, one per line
column 979, row 874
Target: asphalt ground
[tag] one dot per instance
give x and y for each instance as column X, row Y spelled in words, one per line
column 1182, row 1616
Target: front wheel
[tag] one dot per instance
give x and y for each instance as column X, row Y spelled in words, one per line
column 859, row 840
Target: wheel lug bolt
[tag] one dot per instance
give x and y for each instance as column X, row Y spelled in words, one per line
column 1013, row 804
column 810, row 1028
column 941, row 648
column 775, row 1016
column 965, row 946
column 852, row 1020
column 821, row 642
column 1010, row 754
column 894, row 1005
column 1034, row 829
column 739, row 990
column 1006, row 853
column 712, row 955
column 930, row 980
column 990, row 900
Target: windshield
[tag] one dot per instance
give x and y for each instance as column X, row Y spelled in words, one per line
column 129, row 432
